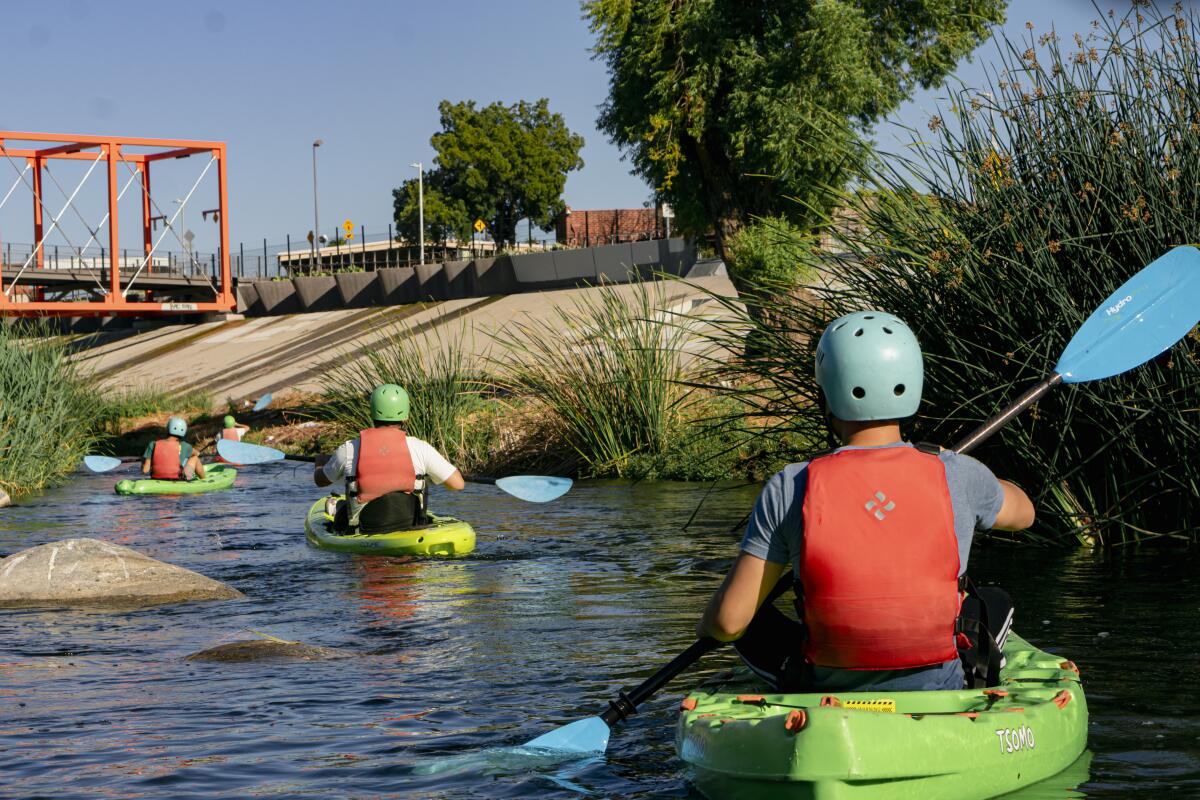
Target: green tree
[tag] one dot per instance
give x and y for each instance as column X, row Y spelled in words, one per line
column 742, row 109
column 504, row 163
column 444, row 218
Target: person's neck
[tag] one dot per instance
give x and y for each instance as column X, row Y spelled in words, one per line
column 868, row 434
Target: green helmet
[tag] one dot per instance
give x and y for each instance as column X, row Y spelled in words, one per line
column 177, row 426
column 229, row 421
column 869, row 367
column 389, row 403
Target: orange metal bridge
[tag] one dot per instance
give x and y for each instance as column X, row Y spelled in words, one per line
column 107, row 280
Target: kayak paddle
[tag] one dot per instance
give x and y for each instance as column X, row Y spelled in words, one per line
column 263, row 402
column 530, row 488
column 1150, row 312
column 106, row 463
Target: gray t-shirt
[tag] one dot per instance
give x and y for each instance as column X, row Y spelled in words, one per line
column 777, row 527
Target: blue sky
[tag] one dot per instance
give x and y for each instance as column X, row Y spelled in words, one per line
column 269, row 76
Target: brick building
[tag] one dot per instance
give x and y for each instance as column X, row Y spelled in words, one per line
column 576, row 228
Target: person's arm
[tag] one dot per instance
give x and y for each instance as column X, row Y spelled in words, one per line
column 733, row 605
column 197, row 465
column 435, row 466
column 455, row 482
column 319, row 477
column 1016, row 511
column 146, row 458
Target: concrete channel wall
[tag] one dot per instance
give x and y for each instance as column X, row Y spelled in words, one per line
column 458, row 280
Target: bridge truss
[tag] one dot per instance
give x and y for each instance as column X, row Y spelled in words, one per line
column 77, row 265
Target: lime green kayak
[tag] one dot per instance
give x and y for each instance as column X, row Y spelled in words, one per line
column 216, row 477
column 895, row 745
column 445, row 537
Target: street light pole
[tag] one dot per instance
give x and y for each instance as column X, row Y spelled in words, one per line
column 420, row 206
column 316, row 240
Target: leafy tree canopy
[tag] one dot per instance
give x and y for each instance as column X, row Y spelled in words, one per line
column 502, row 163
column 444, row 218
column 739, row 109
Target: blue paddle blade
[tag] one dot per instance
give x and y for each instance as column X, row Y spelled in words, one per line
column 263, row 402
column 246, row 453
column 1150, row 312
column 535, row 488
column 588, row 735
column 101, row 463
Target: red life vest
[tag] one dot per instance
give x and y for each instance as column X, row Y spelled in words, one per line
column 233, row 434
column 164, row 461
column 879, row 561
column 384, row 463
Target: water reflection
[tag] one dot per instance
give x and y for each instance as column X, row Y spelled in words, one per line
column 560, row 606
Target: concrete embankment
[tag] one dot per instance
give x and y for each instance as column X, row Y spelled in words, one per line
column 242, row 358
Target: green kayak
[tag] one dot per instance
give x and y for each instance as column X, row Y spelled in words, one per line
column 921, row 745
column 445, row 537
column 216, row 477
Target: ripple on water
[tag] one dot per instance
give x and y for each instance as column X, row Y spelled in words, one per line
column 560, row 606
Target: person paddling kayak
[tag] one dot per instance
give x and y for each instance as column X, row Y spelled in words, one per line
column 172, row 459
column 232, row 430
column 878, row 534
column 385, row 470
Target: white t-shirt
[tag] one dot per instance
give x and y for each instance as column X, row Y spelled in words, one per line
column 425, row 457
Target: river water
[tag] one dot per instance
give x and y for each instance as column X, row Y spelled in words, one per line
column 560, row 606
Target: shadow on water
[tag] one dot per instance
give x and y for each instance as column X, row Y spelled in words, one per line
column 460, row 661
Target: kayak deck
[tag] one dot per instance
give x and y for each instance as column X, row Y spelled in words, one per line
column 216, row 477
column 922, row 745
column 447, row 536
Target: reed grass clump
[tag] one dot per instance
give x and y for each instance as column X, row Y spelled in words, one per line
column 611, row 372
column 443, row 381
column 47, row 408
column 1022, row 209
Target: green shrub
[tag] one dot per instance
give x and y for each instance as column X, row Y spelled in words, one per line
column 46, row 409
column 437, row 372
column 611, row 372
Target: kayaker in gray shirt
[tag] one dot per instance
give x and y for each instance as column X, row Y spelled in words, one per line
column 877, row 544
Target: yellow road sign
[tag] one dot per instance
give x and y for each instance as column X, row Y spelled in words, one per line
column 349, row 226
column 479, row 226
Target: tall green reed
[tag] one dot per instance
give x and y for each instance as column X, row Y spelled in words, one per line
column 436, row 368
column 610, row 370
column 996, row 236
column 47, row 408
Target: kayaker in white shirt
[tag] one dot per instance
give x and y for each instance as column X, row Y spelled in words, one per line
column 385, row 470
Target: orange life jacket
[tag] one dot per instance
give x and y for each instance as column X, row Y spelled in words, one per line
column 164, row 461
column 233, row 434
column 879, row 560
column 384, row 463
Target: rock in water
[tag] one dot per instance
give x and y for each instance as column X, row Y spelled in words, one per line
column 89, row 572
column 266, row 649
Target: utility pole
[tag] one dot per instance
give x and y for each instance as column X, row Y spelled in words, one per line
column 420, row 206
column 316, row 242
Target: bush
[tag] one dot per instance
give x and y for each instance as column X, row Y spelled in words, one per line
column 436, row 372
column 995, row 240
column 47, row 408
column 610, row 371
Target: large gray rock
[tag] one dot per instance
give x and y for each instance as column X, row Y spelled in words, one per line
column 89, row 572
column 266, row 650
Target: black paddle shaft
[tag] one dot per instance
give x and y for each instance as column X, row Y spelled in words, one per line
column 981, row 434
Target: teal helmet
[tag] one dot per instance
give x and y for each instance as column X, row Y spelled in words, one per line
column 177, row 426
column 869, row 367
column 389, row 403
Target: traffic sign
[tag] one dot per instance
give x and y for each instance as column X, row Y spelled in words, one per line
column 479, row 226
column 349, row 226
column 310, row 237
